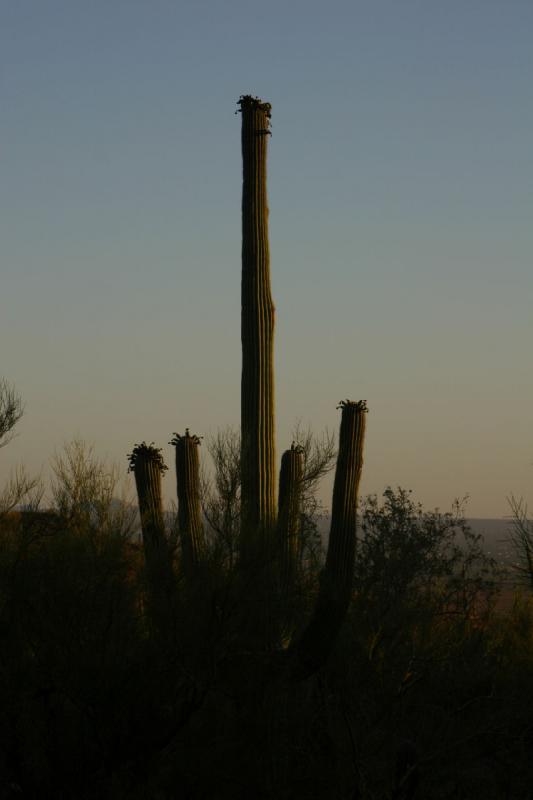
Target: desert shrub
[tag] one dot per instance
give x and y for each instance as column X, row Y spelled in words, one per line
column 84, row 692
column 95, row 704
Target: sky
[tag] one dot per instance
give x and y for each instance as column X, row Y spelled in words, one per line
column 400, row 184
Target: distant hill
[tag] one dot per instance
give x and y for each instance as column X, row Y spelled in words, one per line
column 494, row 532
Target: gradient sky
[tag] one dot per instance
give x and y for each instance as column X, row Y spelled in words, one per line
column 401, row 197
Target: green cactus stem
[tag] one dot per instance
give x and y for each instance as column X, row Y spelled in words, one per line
column 147, row 465
column 289, row 506
column 189, row 511
column 257, row 329
column 335, row 590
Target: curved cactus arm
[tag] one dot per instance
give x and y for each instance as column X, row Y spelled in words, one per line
column 190, row 524
column 318, row 639
column 257, row 329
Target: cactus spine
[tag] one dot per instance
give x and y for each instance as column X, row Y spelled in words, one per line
column 257, row 329
column 189, row 513
column 336, row 580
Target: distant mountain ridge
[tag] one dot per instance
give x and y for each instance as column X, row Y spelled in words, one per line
column 495, row 533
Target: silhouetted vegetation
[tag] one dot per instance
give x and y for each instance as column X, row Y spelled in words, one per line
column 520, row 538
column 11, row 410
column 96, row 704
column 20, row 486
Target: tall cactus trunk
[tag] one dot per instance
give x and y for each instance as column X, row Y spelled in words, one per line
column 257, row 332
column 289, row 507
column 189, row 511
column 335, row 591
column 147, row 465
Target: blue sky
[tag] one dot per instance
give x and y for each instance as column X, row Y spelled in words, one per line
column 401, row 199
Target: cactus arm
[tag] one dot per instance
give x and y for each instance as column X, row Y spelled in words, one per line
column 288, row 534
column 318, row 639
column 189, row 511
column 148, row 466
column 289, row 503
column 341, row 546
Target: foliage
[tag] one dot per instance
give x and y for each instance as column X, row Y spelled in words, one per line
column 20, row 486
column 11, row 410
column 221, row 490
column 95, row 706
column 86, row 491
column 83, row 694
column 407, row 556
column 521, row 540
column 220, row 493
column 319, row 453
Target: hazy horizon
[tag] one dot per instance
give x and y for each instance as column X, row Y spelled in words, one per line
column 400, row 178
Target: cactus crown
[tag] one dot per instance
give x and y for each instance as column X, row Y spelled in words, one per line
column 176, row 438
column 359, row 405
column 248, row 102
column 296, row 448
column 146, row 452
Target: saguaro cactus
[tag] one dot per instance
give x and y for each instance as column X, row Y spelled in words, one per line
column 147, row 465
column 336, row 580
column 189, row 511
column 257, row 329
column 289, row 501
